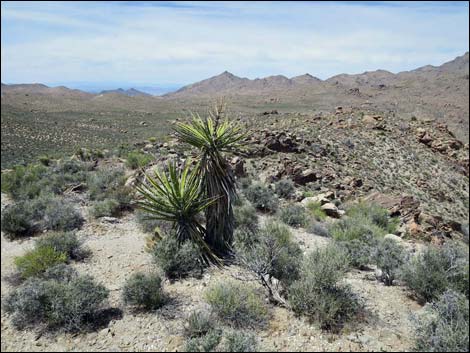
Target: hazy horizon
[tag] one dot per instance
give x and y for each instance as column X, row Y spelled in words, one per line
column 172, row 44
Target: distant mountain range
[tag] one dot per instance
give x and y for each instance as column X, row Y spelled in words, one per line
column 429, row 92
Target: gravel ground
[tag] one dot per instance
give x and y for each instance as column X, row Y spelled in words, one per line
column 118, row 252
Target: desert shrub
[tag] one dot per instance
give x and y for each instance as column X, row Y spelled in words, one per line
column 136, row 159
column 23, row 181
column 45, row 160
column 465, row 232
column 261, row 197
column 64, row 305
column 27, row 217
column 60, row 214
column 239, row 341
column 108, row 207
column 18, row 220
column 374, row 214
column 244, row 182
column 38, row 260
column 177, row 260
column 144, row 290
column 109, row 183
column 434, row 270
column 319, row 293
column 150, row 225
column 236, row 304
column 389, row 256
column 64, row 242
column 285, row 188
column 246, row 217
column 358, row 251
column 317, row 228
column 316, row 211
column 271, row 253
column 206, row 343
column 443, row 327
column 294, row 215
column 61, row 273
column 198, row 324
column 355, row 228
column 152, row 139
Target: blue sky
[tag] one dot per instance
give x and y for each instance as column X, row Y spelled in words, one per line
column 164, row 43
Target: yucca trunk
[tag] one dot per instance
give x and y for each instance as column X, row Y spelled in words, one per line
column 219, row 184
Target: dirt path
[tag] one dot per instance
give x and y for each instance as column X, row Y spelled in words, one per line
column 118, row 252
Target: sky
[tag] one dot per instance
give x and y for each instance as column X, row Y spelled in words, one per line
column 174, row 43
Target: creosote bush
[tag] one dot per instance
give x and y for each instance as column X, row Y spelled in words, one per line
column 389, row 256
column 285, row 188
column 261, row 197
column 319, row 293
column 316, row 211
column 270, row 254
column 198, row 324
column 64, row 242
column 37, row 261
column 205, row 343
column 236, row 304
column 443, row 327
column 137, row 159
column 435, row 270
column 70, row 304
column 177, row 260
column 294, row 215
column 239, row 341
column 144, row 291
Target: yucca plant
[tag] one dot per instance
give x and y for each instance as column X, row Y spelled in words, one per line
column 176, row 196
column 213, row 136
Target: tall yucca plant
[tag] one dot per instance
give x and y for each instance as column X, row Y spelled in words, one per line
column 214, row 136
column 176, row 196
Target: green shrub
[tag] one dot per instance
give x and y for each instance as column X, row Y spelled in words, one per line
column 38, row 260
column 236, row 304
column 355, row 228
column 63, row 305
column 144, row 290
column 443, row 327
column 319, row 293
column 239, row 341
column 152, row 139
column 271, row 253
column 294, row 215
column 23, row 181
column 177, row 260
column 27, row 217
column 64, row 242
column 45, row 160
column 358, row 251
column 316, row 211
column 434, row 270
column 60, row 214
column 206, row 343
column 137, row 159
column 149, row 225
column 285, row 188
column 389, row 256
column 198, row 324
column 374, row 214
column 109, row 208
column 246, row 217
column 317, row 228
column 261, row 197
column 18, row 220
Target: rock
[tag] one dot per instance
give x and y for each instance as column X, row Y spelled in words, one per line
column 238, row 166
column 320, row 198
column 307, row 176
column 331, row 210
column 393, row 237
column 109, row 219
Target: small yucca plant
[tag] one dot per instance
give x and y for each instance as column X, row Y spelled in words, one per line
column 213, row 136
column 176, row 196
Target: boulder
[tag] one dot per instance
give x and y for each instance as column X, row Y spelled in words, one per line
column 331, row 210
column 307, row 176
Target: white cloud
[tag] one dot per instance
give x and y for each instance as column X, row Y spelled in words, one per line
column 56, row 42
